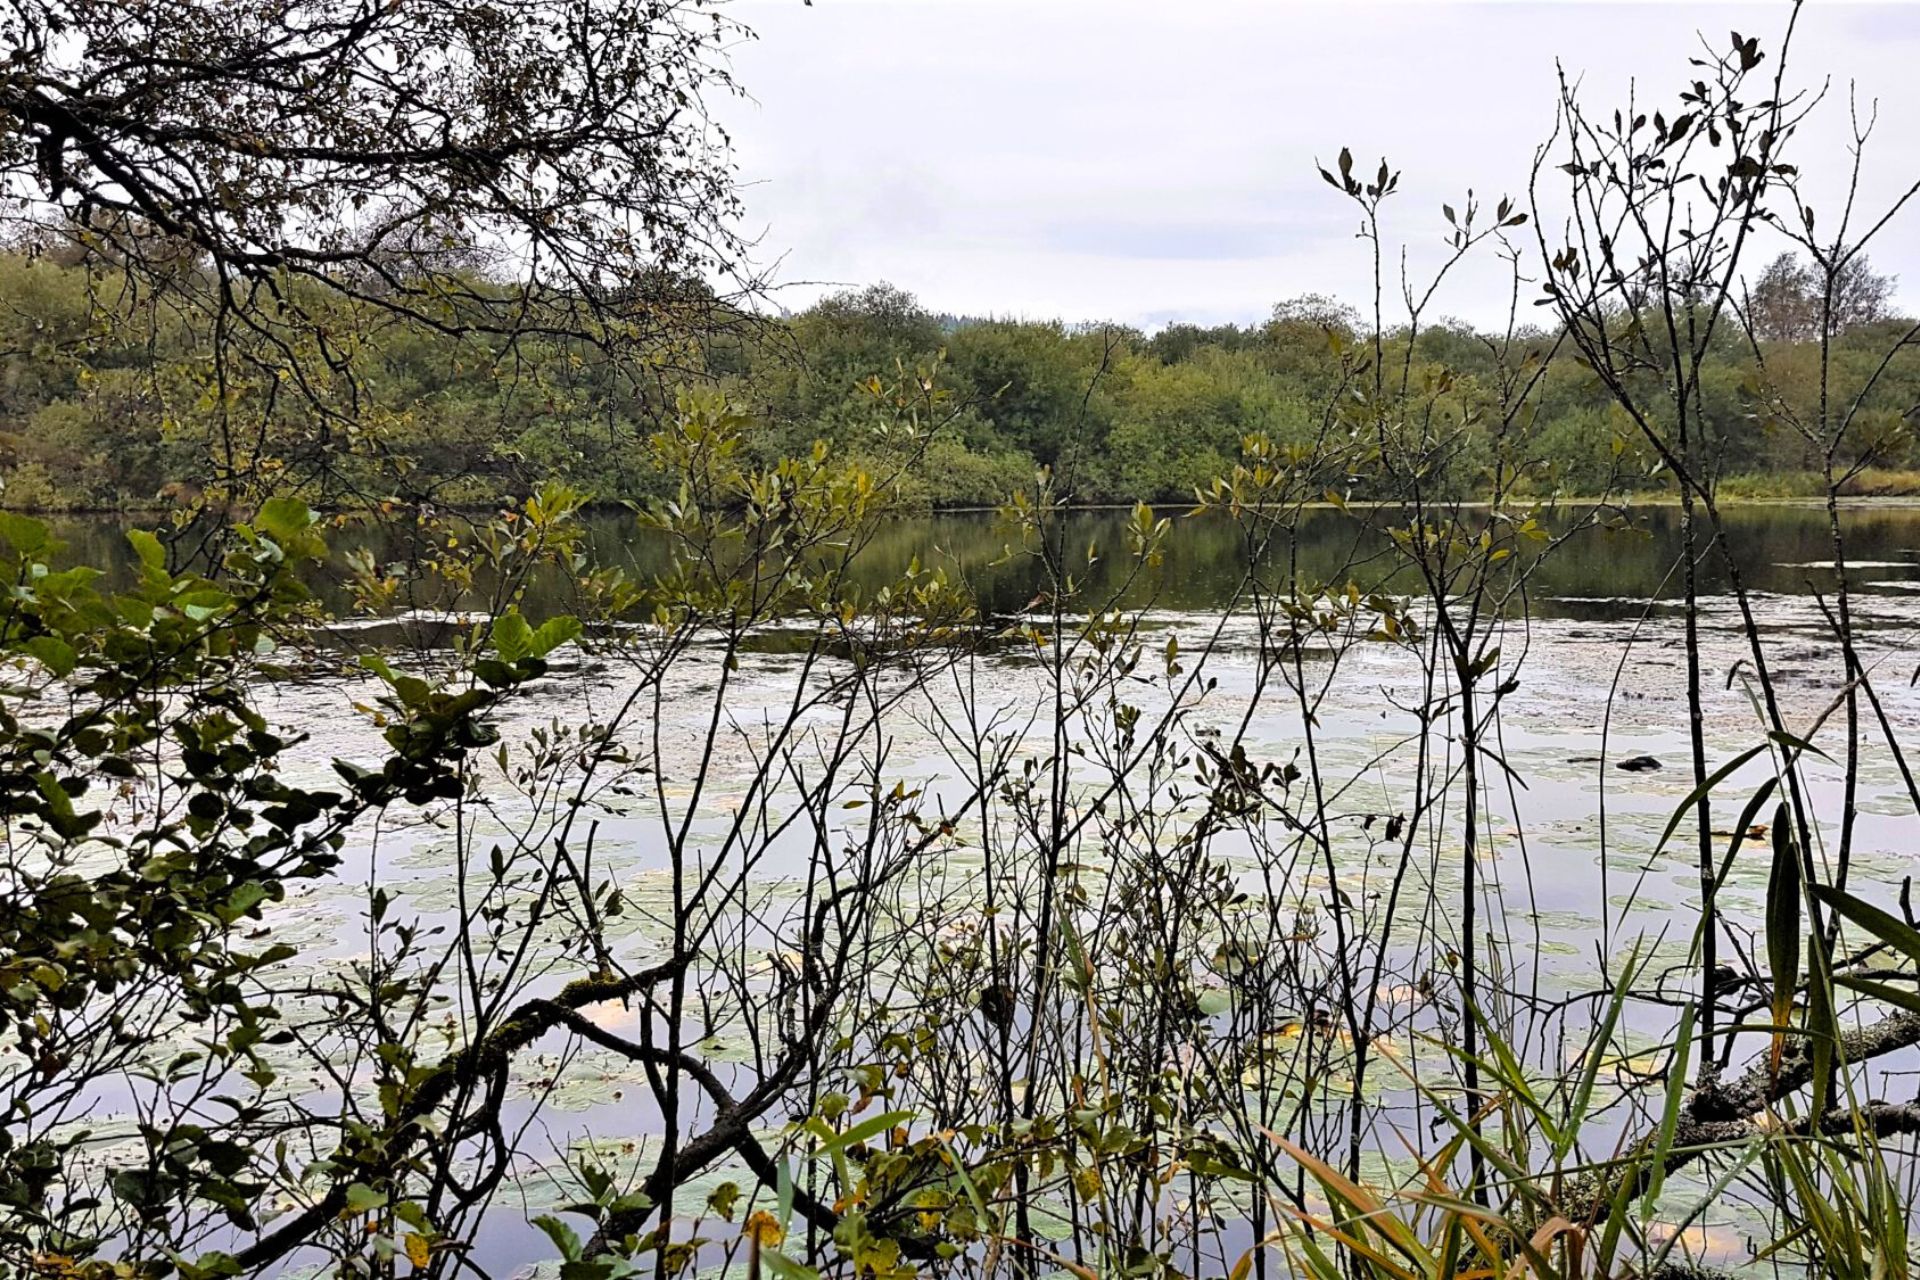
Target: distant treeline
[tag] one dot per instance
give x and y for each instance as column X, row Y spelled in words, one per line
column 108, row 401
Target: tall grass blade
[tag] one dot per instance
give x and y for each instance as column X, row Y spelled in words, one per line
column 1783, row 930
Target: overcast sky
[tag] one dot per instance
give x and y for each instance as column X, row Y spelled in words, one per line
column 1153, row 160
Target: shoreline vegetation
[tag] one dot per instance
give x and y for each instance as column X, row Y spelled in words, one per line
column 1737, row 495
column 122, row 410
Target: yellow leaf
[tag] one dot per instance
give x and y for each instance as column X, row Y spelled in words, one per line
column 418, row 1248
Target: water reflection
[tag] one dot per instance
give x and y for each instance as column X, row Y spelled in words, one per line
column 1600, row 571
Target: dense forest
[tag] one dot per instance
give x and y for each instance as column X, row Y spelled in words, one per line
column 103, row 415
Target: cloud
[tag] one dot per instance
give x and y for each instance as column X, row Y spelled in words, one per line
column 1169, row 238
column 1140, row 161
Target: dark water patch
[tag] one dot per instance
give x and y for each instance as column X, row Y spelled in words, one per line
column 1622, row 571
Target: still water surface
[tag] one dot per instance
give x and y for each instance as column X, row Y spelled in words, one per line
column 1575, row 868
column 1783, row 549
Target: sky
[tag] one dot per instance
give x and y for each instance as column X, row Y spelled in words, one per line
column 1152, row 161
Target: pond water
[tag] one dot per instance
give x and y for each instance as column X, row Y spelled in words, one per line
column 1574, row 871
column 1779, row 548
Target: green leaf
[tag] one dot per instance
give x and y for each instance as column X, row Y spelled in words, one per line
column 1505, row 1067
column 553, row 633
column 1700, row 792
column 1822, row 1026
column 244, row 898
column 869, row 1128
column 210, row 1266
column 783, row 1194
column 494, row 673
column 362, row 1199
column 137, row 612
column 53, row 653
column 1797, row 744
column 1740, row 828
column 55, row 795
column 512, row 637
column 1670, row 1114
column 1898, row 997
column 564, row 1237
column 1577, row 1110
column 1889, row 929
column 25, row 534
column 283, row 519
column 1736, row 1166
column 148, row 548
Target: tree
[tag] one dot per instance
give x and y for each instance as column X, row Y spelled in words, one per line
column 1316, row 310
column 138, row 920
column 1662, row 218
column 290, row 172
column 1179, row 342
column 1787, row 303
